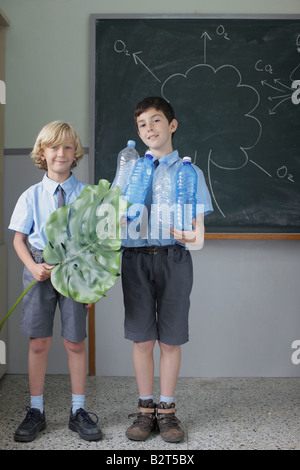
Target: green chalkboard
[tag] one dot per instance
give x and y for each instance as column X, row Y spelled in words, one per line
column 235, row 86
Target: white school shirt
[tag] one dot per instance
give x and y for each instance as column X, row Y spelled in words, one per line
column 130, row 234
column 37, row 203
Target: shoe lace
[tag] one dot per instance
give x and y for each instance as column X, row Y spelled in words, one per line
column 86, row 415
column 31, row 412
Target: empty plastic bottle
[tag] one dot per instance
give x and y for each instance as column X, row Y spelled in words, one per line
column 127, row 158
column 163, row 200
column 186, row 188
column 139, row 181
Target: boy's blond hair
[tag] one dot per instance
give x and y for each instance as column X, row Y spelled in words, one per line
column 55, row 133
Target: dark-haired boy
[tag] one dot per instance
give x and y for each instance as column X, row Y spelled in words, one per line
column 157, row 277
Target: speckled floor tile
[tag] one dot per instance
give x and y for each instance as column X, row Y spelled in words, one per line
column 216, row 414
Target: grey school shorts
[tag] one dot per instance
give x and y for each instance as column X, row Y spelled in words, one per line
column 156, row 290
column 39, row 305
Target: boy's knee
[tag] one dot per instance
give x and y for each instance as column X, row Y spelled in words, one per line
column 168, row 347
column 145, row 346
column 40, row 345
column 74, row 347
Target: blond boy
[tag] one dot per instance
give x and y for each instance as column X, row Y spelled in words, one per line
column 56, row 151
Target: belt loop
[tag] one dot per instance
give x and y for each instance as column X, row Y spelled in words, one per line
column 171, row 251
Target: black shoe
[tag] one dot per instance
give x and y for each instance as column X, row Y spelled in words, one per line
column 31, row 426
column 87, row 429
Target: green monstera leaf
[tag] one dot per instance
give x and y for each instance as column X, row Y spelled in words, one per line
column 84, row 243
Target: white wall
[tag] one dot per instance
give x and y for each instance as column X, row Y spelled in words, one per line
column 245, row 301
column 47, row 55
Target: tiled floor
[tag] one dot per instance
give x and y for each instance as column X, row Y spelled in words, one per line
column 221, row 413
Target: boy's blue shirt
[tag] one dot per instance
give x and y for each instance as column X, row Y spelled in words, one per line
column 203, row 200
column 37, row 203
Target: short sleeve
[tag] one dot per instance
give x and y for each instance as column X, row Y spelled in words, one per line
column 22, row 216
column 204, row 204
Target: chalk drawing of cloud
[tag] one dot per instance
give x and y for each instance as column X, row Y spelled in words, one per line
column 217, row 108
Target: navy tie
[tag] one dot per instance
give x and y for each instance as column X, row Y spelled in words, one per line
column 60, row 196
column 148, row 198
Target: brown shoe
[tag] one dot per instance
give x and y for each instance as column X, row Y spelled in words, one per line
column 167, row 423
column 144, row 423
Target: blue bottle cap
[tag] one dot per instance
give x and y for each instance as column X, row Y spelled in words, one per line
column 131, row 143
column 149, row 154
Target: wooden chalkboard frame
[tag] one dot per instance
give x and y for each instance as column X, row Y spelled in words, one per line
column 92, row 123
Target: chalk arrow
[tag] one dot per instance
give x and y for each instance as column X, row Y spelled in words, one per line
column 264, row 82
column 272, row 111
column 277, row 80
column 138, row 61
column 206, row 36
column 271, row 98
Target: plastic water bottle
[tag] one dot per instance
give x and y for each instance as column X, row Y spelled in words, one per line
column 127, row 158
column 139, row 181
column 162, row 216
column 186, row 187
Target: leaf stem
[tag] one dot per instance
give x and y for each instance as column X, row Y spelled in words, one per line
column 16, row 303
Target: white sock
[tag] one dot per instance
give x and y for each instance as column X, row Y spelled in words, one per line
column 37, row 401
column 77, row 402
column 147, row 398
column 167, row 399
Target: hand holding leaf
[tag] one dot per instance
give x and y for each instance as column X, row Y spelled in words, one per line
column 84, row 244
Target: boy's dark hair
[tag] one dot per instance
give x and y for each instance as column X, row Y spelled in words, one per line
column 160, row 104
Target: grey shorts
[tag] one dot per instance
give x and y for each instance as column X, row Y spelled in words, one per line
column 39, row 306
column 156, row 290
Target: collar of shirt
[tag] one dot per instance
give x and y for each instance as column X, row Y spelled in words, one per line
column 170, row 159
column 51, row 186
